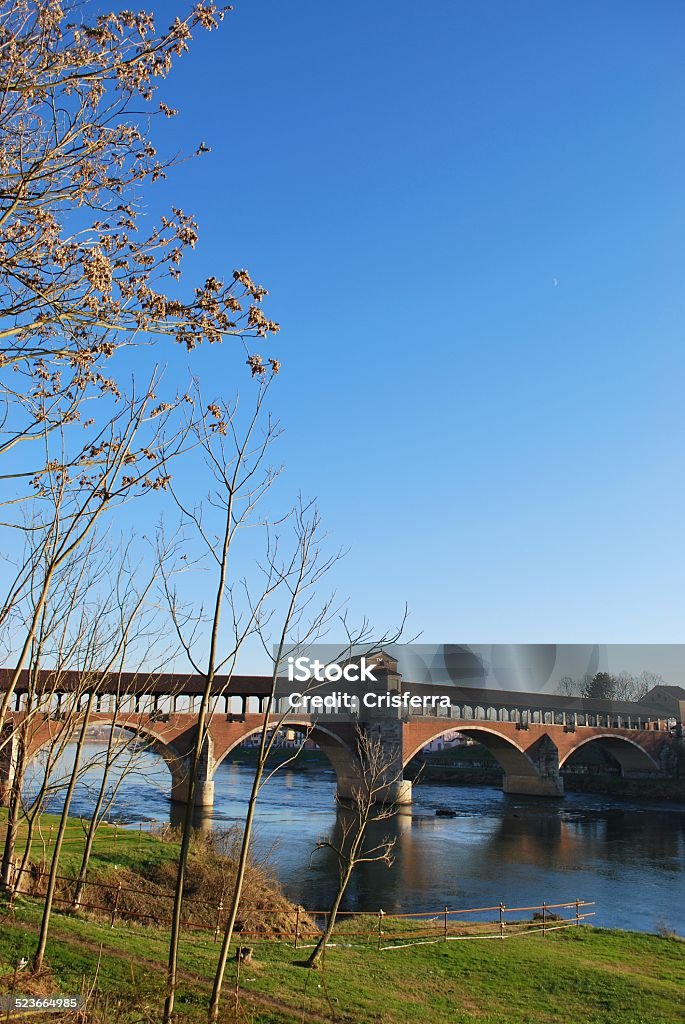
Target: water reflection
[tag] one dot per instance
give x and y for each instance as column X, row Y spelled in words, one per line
column 628, row 856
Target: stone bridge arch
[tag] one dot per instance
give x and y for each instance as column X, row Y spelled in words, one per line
column 508, row 754
column 338, row 750
column 174, row 759
column 631, row 756
column 533, row 770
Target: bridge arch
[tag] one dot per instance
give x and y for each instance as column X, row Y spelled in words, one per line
column 512, row 759
column 339, row 753
column 630, row 755
column 174, row 760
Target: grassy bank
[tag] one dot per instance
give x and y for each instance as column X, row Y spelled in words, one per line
column 584, row 974
column 633, row 789
column 132, row 877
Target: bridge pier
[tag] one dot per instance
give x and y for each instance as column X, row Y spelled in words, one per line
column 398, row 793
column 8, row 763
column 203, row 790
column 203, row 796
column 545, row 780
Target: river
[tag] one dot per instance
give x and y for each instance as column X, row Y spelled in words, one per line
column 628, row 856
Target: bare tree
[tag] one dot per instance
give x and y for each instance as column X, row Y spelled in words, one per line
column 80, row 283
column 235, row 451
column 49, row 758
column 70, row 500
column 126, row 743
column 631, row 687
column 104, row 629
column 371, row 802
column 299, row 574
column 56, row 642
column 309, row 569
column 624, row 686
column 569, row 687
column 121, row 759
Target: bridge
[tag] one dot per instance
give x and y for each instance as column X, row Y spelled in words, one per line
column 531, row 735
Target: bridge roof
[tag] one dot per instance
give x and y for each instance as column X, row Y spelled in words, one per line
column 167, row 683
column 187, row 684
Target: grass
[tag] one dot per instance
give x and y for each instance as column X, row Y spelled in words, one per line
column 124, row 847
column 592, row 975
column 587, row 974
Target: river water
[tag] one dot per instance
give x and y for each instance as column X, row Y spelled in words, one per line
column 628, row 856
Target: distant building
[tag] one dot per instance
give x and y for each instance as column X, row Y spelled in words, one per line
column 449, row 739
column 670, row 700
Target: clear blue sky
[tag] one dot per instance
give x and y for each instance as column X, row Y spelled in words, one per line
column 470, row 218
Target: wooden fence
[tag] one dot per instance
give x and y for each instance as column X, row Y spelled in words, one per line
column 386, row 931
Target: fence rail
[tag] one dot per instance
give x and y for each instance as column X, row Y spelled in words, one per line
column 386, row 931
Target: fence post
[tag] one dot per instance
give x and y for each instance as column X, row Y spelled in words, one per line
column 116, row 832
column 501, row 920
column 380, row 927
column 116, row 904
column 446, row 924
column 140, row 832
column 297, row 927
column 544, row 917
column 577, row 913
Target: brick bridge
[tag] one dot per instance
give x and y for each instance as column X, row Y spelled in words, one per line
column 531, row 735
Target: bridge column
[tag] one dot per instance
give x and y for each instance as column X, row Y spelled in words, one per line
column 204, row 783
column 8, row 763
column 399, row 790
column 547, row 781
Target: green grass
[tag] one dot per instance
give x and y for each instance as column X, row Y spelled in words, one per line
column 589, row 975
column 125, row 847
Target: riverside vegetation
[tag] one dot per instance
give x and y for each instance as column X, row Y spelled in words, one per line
column 593, row 973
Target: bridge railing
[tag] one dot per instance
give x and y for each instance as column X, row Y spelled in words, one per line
column 525, row 717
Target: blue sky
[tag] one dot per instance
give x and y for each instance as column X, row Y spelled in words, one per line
column 470, row 220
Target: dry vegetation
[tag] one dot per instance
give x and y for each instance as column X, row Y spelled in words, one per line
column 145, row 893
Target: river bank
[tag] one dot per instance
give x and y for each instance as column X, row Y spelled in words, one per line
column 588, row 974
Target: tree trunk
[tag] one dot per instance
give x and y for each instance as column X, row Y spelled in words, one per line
column 172, row 966
column 320, row 947
column 13, row 812
column 93, row 825
column 237, row 893
column 54, row 866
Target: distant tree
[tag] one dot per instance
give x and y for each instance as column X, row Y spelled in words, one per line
column 601, row 686
column 645, row 682
column 569, row 687
column 605, row 686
